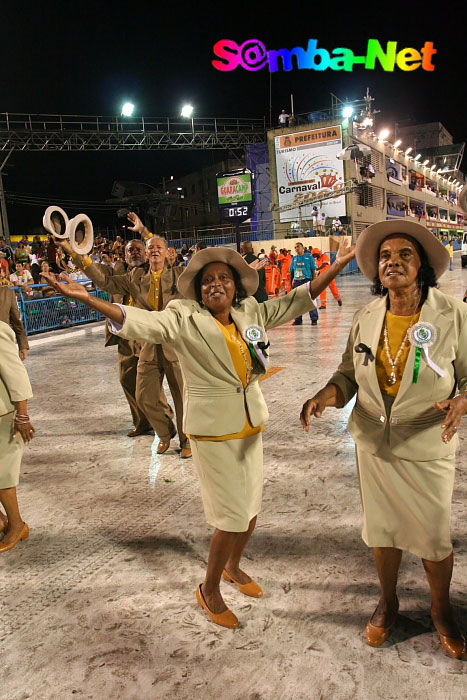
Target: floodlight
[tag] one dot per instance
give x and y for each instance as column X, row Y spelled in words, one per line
column 127, row 109
column 187, row 111
column 426, row 161
column 409, row 150
column 347, row 111
column 419, row 155
column 383, row 134
column 398, row 143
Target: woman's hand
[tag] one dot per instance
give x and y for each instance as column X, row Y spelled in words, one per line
column 345, row 254
column 259, row 264
column 455, row 409
column 72, row 289
column 134, row 219
column 26, row 430
column 312, row 407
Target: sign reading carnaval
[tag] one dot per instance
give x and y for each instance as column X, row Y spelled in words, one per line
column 252, row 55
column 307, row 166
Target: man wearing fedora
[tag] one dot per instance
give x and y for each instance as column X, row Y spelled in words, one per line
column 150, row 287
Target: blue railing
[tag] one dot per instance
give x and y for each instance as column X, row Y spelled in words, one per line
column 46, row 313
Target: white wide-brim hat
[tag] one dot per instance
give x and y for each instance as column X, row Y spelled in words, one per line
column 248, row 276
column 370, row 239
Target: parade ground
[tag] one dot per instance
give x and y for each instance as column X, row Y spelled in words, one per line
column 99, row 603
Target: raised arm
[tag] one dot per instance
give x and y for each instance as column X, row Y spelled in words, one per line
column 102, row 275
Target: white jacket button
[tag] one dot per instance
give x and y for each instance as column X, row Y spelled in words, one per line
column 382, row 419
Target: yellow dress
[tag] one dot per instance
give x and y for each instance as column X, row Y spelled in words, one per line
column 230, row 467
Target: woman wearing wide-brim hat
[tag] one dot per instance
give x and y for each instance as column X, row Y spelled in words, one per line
column 406, row 359
column 219, row 333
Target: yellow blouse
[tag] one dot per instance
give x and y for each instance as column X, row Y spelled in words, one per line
column 397, row 328
column 232, row 335
column 155, row 297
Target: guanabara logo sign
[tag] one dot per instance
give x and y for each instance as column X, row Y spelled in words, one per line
column 236, row 188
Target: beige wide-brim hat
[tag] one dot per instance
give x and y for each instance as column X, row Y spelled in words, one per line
column 370, row 239
column 248, row 276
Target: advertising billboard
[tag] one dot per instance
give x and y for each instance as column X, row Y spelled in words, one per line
column 234, row 189
column 307, row 167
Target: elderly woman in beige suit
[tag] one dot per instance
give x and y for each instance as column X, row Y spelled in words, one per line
column 406, row 359
column 15, row 430
column 219, row 334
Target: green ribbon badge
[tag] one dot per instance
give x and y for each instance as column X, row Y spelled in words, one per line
column 416, row 367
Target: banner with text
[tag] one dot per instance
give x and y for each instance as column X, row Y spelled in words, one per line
column 307, row 167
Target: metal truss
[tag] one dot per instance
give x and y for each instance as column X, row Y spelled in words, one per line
column 51, row 132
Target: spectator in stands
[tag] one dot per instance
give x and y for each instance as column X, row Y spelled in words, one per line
column 273, row 255
column 37, row 247
column 46, row 291
column 292, row 120
column 337, row 225
column 21, row 277
column 200, row 245
column 5, row 279
column 61, row 260
column 21, row 254
column 283, row 118
column 302, row 270
column 8, row 250
column 322, row 221
column 52, row 254
column 4, row 263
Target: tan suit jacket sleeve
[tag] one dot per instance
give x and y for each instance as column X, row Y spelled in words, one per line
column 17, row 324
column 14, row 380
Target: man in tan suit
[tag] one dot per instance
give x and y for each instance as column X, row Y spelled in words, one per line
column 9, row 313
column 128, row 351
column 150, row 288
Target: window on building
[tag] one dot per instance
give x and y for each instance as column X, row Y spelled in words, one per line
column 369, row 196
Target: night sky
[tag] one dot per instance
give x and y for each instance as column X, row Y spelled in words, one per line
column 88, row 58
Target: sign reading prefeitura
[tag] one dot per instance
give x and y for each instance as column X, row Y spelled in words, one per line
column 235, row 195
column 307, row 166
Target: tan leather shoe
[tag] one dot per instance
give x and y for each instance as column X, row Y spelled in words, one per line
column 23, row 535
column 225, row 619
column 252, row 589
column 376, row 636
column 454, row 646
column 186, row 453
column 165, row 444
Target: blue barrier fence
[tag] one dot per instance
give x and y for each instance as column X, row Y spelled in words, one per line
column 44, row 314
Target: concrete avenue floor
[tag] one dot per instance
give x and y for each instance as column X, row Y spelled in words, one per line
column 99, row 603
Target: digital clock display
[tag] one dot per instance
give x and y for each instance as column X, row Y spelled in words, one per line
column 237, row 211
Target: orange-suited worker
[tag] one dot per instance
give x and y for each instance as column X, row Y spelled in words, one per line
column 285, row 269
column 323, row 261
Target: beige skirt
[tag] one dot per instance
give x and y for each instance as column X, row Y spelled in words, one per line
column 231, row 478
column 11, row 452
column 407, row 504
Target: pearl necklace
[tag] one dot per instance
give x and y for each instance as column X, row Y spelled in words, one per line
column 392, row 379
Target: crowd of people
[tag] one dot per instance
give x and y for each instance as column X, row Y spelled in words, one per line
column 204, row 327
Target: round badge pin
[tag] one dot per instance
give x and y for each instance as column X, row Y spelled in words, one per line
column 254, row 334
column 423, row 334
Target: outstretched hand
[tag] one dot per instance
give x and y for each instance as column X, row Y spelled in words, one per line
column 134, row 219
column 345, row 254
column 259, row 264
column 67, row 288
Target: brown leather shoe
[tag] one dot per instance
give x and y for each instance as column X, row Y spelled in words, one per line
column 3, row 523
column 23, row 535
column 165, row 444
column 140, row 431
column 186, row 453
column 225, row 619
column 454, row 646
column 376, row 636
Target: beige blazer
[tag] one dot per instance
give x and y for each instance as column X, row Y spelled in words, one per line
column 14, row 380
column 414, row 429
column 214, row 398
column 9, row 313
column 136, row 283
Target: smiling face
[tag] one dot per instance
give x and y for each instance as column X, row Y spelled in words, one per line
column 399, row 263
column 156, row 252
column 217, row 287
